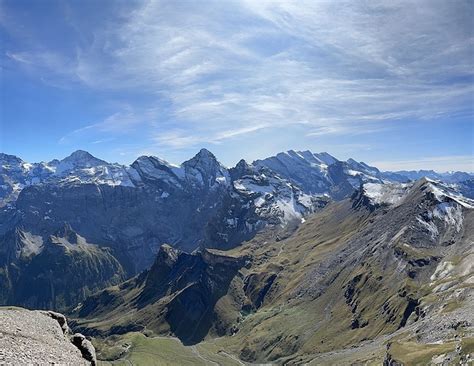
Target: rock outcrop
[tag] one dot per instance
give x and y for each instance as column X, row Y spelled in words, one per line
column 188, row 295
column 41, row 337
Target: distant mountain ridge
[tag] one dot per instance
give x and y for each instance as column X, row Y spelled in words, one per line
column 123, row 214
column 309, row 169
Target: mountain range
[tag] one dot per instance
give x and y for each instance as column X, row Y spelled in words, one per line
column 382, row 277
column 115, row 218
column 281, row 260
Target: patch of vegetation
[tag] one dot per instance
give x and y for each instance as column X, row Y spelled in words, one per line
column 413, row 353
column 137, row 349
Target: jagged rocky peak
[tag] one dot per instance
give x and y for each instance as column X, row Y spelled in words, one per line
column 167, row 255
column 291, row 157
column 165, row 261
column 204, row 158
column 152, row 168
column 361, row 167
column 204, row 170
column 326, row 157
column 351, row 161
column 153, row 160
column 241, row 169
column 310, row 157
column 379, row 194
column 79, row 159
column 6, row 159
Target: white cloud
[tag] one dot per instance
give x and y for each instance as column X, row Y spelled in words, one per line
column 128, row 119
column 180, row 138
column 437, row 163
column 339, row 67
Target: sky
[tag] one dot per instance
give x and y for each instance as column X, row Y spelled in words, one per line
column 389, row 83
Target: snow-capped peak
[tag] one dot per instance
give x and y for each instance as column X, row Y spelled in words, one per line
column 205, row 171
column 6, row 159
column 205, row 154
column 394, row 193
column 203, row 159
column 78, row 160
column 446, row 192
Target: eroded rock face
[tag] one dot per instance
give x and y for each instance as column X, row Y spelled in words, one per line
column 41, row 272
column 40, row 337
column 85, row 346
column 181, row 291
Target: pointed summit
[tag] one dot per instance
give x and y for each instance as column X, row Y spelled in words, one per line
column 83, row 157
column 79, row 159
column 78, row 154
column 242, row 169
column 205, row 170
column 10, row 160
column 242, row 164
column 205, row 154
column 204, row 158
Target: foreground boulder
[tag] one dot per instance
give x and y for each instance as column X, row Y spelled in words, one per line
column 85, row 346
column 40, row 337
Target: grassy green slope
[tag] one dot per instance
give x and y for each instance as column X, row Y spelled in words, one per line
column 350, row 285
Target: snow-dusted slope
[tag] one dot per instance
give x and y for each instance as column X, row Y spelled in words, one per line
column 392, row 194
column 273, row 196
column 78, row 168
column 134, row 209
column 308, row 170
column 321, row 173
column 138, row 207
column 412, row 175
column 199, row 202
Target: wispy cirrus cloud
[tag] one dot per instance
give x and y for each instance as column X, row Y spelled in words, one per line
column 180, row 138
column 228, row 69
column 438, row 163
column 121, row 123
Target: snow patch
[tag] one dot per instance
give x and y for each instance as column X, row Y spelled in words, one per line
column 389, row 194
column 441, row 192
column 259, row 202
column 429, row 226
column 450, row 213
column 442, row 270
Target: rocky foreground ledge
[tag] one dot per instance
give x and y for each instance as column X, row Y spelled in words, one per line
column 41, row 337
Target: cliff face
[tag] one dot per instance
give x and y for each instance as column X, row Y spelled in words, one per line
column 37, row 337
column 38, row 273
column 188, row 295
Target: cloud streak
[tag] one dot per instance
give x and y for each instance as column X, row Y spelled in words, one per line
column 438, row 163
column 220, row 71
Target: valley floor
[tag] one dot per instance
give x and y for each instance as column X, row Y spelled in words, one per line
column 138, row 350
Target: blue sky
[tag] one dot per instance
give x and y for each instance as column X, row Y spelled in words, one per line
column 389, row 83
